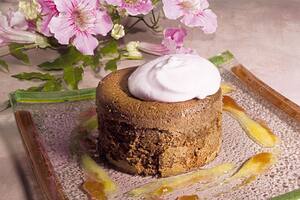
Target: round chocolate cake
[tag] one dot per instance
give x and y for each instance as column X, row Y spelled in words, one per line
column 155, row 138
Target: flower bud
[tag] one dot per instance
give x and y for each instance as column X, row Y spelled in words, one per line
column 132, row 49
column 29, row 8
column 118, row 31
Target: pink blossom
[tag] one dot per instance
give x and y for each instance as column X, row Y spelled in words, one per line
column 78, row 22
column 133, row 7
column 174, row 37
column 193, row 13
column 13, row 28
column 172, row 43
column 48, row 10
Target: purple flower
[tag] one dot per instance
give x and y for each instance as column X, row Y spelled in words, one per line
column 193, row 13
column 171, row 43
column 48, row 10
column 14, row 28
column 133, row 7
column 78, row 22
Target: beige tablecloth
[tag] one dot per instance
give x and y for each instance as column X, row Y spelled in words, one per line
column 262, row 34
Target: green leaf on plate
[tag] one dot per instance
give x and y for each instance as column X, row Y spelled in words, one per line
column 16, row 50
column 72, row 76
column 33, row 75
column 67, row 59
column 110, row 48
column 111, row 64
column 21, row 96
column 52, row 85
column 3, row 65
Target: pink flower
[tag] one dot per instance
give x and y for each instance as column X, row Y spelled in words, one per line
column 133, row 7
column 48, row 11
column 13, row 28
column 78, row 21
column 171, row 43
column 174, row 37
column 194, row 13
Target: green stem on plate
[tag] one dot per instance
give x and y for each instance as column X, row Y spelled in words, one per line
column 20, row 96
column 222, row 58
column 293, row 195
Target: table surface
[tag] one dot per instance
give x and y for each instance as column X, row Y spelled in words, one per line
column 262, row 34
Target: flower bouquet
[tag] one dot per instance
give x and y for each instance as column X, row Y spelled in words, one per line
column 89, row 33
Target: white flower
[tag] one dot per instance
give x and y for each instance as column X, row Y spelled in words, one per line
column 132, row 49
column 29, row 8
column 118, row 31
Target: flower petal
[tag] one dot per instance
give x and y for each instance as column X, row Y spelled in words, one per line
column 85, row 43
column 3, row 22
column 139, row 7
column 87, row 4
column 210, row 23
column 114, row 2
column 103, row 23
column 62, row 28
column 203, row 4
column 49, row 10
column 44, row 26
column 206, row 19
column 2, row 42
column 176, row 34
column 154, row 49
column 172, row 9
column 63, row 5
column 18, row 21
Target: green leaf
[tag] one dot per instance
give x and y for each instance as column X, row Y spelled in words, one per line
column 33, row 75
column 222, row 58
column 4, row 66
column 110, row 48
column 67, row 59
column 111, row 64
column 52, row 85
column 16, row 50
column 92, row 61
column 72, row 76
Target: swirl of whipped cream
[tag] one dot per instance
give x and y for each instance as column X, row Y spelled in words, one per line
column 175, row 78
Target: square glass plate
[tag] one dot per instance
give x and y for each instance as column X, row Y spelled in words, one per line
column 46, row 134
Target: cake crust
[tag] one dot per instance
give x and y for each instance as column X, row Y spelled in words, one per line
column 155, row 138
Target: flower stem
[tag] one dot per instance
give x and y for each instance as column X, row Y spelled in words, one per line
column 154, row 26
column 131, row 26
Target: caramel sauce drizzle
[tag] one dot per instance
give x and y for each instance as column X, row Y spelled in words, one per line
column 259, row 132
column 94, row 189
column 188, row 197
column 164, row 186
column 226, row 88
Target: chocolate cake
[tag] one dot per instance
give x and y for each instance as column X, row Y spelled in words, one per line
column 155, row 138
